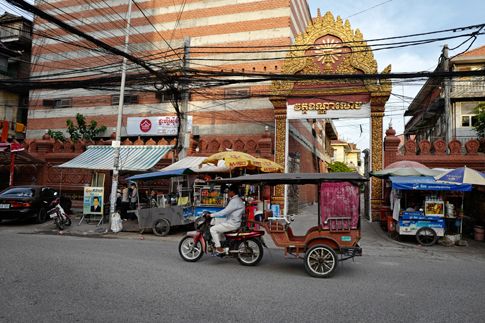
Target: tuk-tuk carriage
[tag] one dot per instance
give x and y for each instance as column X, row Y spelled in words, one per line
column 337, row 234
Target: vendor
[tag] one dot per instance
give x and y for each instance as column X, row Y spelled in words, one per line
column 411, row 208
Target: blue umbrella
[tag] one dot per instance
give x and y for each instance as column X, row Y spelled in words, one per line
column 462, row 175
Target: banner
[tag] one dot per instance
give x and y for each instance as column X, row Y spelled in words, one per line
column 327, row 110
column 93, row 200
column 154, row 126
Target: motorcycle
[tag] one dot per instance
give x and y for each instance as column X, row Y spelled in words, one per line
column 244, row 244
column 61, row 219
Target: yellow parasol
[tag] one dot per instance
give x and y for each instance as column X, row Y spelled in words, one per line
column 268, row 166
column 232, row 159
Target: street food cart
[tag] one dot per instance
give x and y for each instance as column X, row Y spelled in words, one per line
column 182, row 206
column 424, row 214
column 337, row 234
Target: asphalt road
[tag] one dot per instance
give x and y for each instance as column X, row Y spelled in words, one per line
column 47, row 278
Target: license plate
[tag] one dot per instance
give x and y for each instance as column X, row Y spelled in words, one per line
column 4, row 206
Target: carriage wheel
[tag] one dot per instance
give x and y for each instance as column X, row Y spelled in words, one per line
column 320, row 261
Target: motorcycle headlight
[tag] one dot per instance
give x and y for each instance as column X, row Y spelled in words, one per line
column 199, row 221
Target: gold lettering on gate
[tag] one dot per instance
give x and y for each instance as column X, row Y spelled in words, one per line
column 322, row 108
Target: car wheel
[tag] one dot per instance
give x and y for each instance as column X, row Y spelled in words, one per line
column 41, row 216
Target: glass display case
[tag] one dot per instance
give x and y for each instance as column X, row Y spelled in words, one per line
column 434, row 208
column 205, row 195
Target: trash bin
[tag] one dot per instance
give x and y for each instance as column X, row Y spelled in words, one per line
column 479, row 232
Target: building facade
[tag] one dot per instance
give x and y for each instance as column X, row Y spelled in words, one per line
column 348, row 154
column 446, row 110
column 15, row 54
column 166, row 26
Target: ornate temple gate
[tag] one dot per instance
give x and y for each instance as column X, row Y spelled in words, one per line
column 330, row 46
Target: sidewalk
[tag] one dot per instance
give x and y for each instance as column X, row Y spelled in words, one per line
column 372, row 234
column 93, row 230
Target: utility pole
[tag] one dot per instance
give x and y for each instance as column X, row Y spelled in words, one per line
column 117, row 142
column 448, row 114
column 183, row 135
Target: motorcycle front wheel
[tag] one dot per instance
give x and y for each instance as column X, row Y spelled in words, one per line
column 189, row 251
column 250, row 252
column 59, row 223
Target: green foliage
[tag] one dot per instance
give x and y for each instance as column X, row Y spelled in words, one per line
column 57, row 135
column 82, row 130
column 479, row 123
column 339, row 167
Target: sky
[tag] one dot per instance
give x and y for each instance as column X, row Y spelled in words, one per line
column 395, row 18
column 387, row 18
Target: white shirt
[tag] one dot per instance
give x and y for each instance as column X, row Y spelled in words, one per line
column 124, row 195
column 233, row 211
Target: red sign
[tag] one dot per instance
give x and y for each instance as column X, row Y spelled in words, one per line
column 145, row 125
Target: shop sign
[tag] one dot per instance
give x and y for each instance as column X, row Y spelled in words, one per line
column 328, row 110
column 93, row 200
column 154, row 126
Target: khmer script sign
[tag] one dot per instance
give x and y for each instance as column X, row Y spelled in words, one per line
column 154, row 126
column 327, row 110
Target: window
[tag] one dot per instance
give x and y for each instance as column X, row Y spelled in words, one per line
column 128, row 99
column 62, row 103
column 166, row 96
column 58, row 103
column 468, row 120
column 236, row 93
column 3, row 64
column 18, row 192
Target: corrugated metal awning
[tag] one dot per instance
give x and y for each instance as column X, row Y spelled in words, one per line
column 193, row 163
column 133, row 158
column 188, row 165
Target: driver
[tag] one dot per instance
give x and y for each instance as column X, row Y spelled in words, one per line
column 233, row 212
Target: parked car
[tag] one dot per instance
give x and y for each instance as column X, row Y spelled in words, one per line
column 31, row 201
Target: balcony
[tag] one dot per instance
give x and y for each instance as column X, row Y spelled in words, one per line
column 471, row 88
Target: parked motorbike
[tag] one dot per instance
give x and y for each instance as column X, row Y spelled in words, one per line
column 244, row 244
column 61, row 219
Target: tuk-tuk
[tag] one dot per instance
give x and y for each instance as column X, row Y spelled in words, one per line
column 337, row 234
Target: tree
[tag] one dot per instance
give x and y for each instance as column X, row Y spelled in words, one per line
column 479, row 122
column 57, row 135
column 79, row 131
column 83, row 131
column 339, row 167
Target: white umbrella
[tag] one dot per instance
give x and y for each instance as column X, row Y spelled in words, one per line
column 463, row 175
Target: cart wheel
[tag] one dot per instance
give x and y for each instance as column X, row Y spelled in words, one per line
column 320, row 261
column 426, row 236
column 161, row 227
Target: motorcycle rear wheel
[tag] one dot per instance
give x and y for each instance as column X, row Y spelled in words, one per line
column 250, row 252
column 189, row 251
